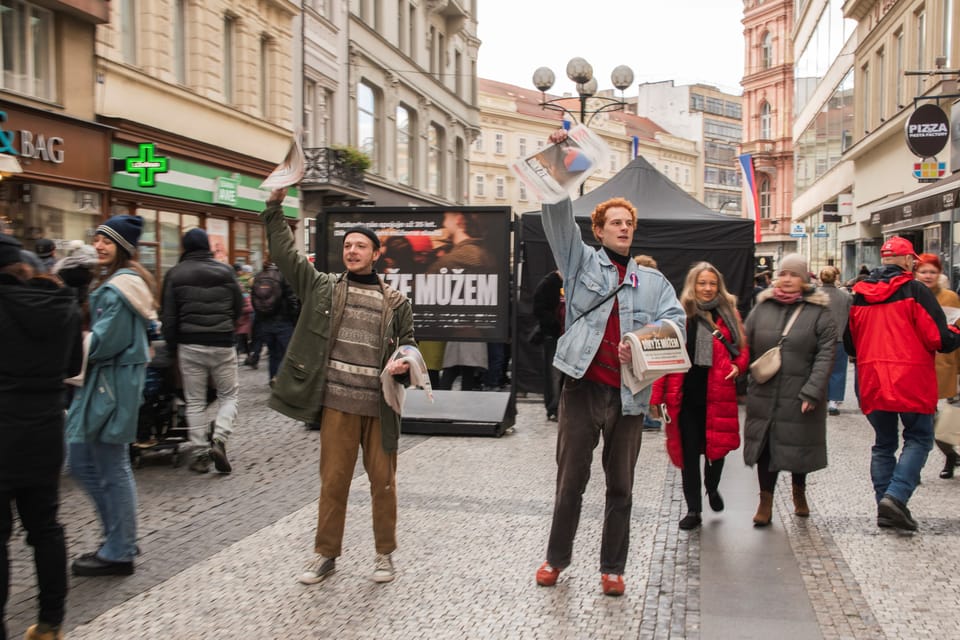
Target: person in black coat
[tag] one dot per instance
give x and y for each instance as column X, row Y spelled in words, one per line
column 41, row 346
column 547, row 309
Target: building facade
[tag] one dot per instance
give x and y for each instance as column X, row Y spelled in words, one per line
column 712, row 119
column 768, row 120
column 514, row 125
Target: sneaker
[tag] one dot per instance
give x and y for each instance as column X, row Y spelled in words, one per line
column 690, row 521
column 318, row 569
column 201, row 463
column 43, row 631
column 218, row 451
column 383, row 568
column 547, row 575
column 893, row 513
column 612, row 584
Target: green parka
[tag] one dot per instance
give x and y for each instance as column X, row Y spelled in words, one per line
column 298, row 390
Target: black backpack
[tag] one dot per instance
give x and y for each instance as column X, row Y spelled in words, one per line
column 265, row 293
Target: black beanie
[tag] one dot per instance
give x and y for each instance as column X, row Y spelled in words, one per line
column 123, row 230
column 365, row 231
column 9, row 250
column 196, row 240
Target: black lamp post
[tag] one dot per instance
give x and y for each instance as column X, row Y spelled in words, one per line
column 581, row 73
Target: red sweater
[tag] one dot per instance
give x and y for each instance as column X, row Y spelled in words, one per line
column 605, row 367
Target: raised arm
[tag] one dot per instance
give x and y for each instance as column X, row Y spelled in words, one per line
column 295, row 267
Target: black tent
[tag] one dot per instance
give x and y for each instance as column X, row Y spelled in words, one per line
column 672, row 227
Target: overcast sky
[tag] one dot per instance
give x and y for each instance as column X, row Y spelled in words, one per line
column 684, row 40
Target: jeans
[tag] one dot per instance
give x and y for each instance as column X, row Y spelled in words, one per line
column 276, row 335
column 198, row 364
column 899, row 478
column 587, row 411
column 37, row 507
column 837, row 385
column 104, row 472
column 496, row 362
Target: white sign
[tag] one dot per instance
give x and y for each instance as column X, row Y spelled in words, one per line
column 798, row 230
column 845, row 204
column 821, row 231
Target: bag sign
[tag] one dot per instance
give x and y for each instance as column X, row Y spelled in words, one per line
column 928, row 130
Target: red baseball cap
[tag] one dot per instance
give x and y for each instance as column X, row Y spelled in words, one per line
column 897, row 246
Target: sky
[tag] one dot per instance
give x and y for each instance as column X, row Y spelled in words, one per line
column 687, row 41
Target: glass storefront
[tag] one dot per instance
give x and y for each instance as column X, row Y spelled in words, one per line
column 30, row 211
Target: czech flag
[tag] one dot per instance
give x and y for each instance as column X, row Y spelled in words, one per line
column 753, row 202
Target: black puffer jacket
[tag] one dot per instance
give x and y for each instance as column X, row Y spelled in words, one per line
column 41, row 345
column 202, row 302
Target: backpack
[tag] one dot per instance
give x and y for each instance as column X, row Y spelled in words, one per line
column 265, row 294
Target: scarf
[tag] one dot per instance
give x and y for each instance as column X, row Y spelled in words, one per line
column 786, row 298
column 703, row 354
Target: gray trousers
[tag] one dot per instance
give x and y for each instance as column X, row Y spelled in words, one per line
column 198, row 364
column 587, row 411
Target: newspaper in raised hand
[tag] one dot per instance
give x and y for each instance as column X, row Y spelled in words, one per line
column 394, row 392
column 656, row 350
column 557, row 171
column 290, row 171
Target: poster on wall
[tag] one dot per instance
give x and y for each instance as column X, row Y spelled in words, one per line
column 453, row 264
column 218, row 231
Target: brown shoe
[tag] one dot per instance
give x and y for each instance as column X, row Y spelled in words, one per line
column 764, row 510
column 800, row 506
column 43, row 632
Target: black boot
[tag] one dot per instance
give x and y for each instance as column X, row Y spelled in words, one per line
column 951, row 459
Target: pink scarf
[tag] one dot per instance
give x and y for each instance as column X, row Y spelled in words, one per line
column 786, row 298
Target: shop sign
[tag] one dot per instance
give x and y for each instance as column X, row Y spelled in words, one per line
column 821, row 231
column 929, row 170
column 36, row 146
column 146, row 165
column 226, row 191
column 928, row 130
column 798, row 230
column 845, row 204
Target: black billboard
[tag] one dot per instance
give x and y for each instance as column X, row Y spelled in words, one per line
column 452, row 262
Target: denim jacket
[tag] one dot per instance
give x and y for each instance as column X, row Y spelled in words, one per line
column 589, row 275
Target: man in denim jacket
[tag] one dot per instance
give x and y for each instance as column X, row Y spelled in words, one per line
column 594, row 401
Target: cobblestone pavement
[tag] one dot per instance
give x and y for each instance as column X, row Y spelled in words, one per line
column 220, row 554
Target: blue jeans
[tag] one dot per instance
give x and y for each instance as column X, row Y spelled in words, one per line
column 837, row 385
column 276, row 335
column 104, row 472
column 900, row 478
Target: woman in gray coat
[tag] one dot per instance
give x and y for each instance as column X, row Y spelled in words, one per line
column 786, row 416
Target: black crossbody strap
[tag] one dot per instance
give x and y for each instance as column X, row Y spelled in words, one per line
column 599, row 304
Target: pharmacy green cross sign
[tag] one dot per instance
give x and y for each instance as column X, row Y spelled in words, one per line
column 146, row 165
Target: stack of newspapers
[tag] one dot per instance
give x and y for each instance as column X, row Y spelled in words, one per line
column 656, row 350
column 557, row 171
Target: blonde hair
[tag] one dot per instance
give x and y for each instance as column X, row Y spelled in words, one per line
column 828, row 275
column 688, row 297
column 643, row 260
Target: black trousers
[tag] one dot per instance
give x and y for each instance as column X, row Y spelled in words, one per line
column 37, row 507
column 693, row 441
column 551, row 377
column 768, row 479
column 587, row 411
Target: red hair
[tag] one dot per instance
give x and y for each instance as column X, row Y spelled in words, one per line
column 931, row 259
column 599, row 216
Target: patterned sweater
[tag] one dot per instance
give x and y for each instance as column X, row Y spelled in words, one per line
column 353, row 371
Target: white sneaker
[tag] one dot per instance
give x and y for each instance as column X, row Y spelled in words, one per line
column 383, row 568
column 318, row 569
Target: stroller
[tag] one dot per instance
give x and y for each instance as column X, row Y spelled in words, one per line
column 161, row 427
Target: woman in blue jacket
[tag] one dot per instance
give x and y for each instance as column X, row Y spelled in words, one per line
column 102, row 420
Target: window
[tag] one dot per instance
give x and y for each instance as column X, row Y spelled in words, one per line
column 325, row 123
column 479, row 186
column 478, row 143
column 686, row 176
column 229, row 33
column 402, row 33
column 921, row 31
column 322, row 7
column 128, row 31
column 501, row 188
column 947, row 21
column 865, row 96
column 435, row 160
column 522, row 145
column 458, row 73
column 180, row 41
column 413, row 29
column 613, row 163
column 732, row 110
column 899, row 68
column 405, row 129
column 722, row 129
column 696, row 102
column 309, row 113
column 766, row 51
column 523, row 191
column 432, row 43
column 714, row 105
column 765, row 121
column 460, row 193
column 498, row 143
column 264, row 77
column 441, row 56
column 368, row 123
column 26, row 38
column 676, row 175
column 764, row 195
column 881, row 85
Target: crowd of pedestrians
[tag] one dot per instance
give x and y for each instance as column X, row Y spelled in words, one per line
column 75, row 322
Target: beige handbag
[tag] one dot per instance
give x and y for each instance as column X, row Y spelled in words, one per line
column 947, row 426
column 767, row 365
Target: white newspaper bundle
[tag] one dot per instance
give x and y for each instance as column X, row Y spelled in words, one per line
column 952, row 313
column 656, row 350
column 394, row 392
column 291, row 170
column 557, row 171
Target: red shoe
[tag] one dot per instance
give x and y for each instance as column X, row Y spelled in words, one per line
column 612, row 584
column 547, row 575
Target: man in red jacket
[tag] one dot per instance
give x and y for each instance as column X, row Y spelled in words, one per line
column 895, row 329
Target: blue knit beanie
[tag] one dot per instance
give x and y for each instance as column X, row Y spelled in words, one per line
column 124, row 231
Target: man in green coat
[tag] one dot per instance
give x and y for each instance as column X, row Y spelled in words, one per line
column 350, row 325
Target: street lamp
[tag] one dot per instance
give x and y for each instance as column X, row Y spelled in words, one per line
column 581, row 73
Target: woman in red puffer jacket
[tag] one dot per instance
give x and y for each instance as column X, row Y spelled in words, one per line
column 701, row 405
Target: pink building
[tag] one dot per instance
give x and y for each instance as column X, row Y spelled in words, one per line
column 768, row 118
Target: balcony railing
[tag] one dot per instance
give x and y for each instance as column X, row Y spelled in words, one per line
column 327, row 167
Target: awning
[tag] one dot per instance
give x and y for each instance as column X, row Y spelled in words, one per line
column 9, row 165
column 934, row 198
